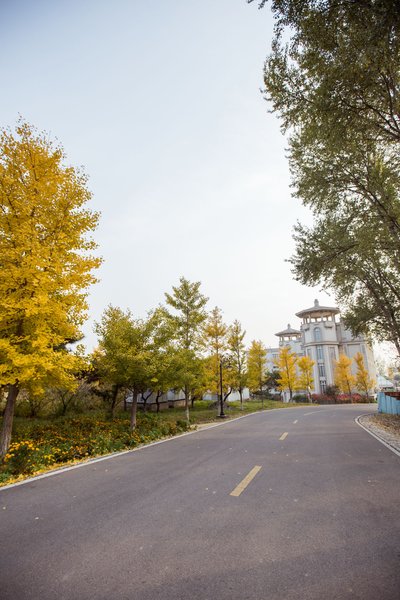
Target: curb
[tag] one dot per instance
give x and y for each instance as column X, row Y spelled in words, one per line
column 91, row 461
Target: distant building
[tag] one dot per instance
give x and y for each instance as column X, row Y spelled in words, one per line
column 322, row 337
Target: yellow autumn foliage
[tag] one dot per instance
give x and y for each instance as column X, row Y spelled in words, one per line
column 344, row 379
column 286, row 363
column 46, row 259
column 363, row 381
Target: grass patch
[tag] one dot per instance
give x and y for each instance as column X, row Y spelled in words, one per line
column 40, row 445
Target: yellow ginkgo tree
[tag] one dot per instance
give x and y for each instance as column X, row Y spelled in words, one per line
column 286, row 363
column 344, row 379
column 305, row 379
column 46, row 265
column 215, row 342
column 257, row 368
column 364, row 382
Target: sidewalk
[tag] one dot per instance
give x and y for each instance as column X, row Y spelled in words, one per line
column 386, row 427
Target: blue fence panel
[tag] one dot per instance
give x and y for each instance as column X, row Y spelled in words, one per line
column 388, row 405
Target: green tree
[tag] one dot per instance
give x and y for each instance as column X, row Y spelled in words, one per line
column 46, row 266
column 124, row 348
column 200, row 381
column 338, row 252
column 186, row 320
column 336, row 86
column 163, row 359
column 237, row 358
column 256, row 367
column 286, row 363
column 104, row 381
column 271, row 379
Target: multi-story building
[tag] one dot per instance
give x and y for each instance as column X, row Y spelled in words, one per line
column 322, row 337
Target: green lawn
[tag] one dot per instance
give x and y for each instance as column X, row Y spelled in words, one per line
column 40, row 444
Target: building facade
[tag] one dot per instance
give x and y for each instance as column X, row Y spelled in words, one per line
column 322, row 337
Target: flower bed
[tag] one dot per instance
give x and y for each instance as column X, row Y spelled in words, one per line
column 37, row 445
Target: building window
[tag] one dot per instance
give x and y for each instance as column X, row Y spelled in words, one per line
column 320, row 353
column 317, row 334
column 321, row 370
column 332, row 352
column 322, row 383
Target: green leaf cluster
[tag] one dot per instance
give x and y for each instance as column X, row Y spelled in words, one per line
column 336, row 86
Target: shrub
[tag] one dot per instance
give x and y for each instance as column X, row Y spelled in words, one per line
column 300, row 398
column 40, row 444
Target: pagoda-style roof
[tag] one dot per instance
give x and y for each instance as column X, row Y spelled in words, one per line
column 318, row 310
column 288, row 331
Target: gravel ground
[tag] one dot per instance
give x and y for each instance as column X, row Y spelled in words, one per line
column 387, row 427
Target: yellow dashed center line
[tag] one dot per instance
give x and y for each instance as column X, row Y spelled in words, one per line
column 284, row 435
column 245, row 482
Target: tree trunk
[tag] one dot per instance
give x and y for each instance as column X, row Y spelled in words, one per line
column 64, row 405
column 5, row 435
column 187, row 405
column 159, row 394
column 145, row 398
column 226, row 396
column 351, row 395
column 241, row 398
column 133, row 410
column 114, row 401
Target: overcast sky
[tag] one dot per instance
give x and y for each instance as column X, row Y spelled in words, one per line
column 160, row 101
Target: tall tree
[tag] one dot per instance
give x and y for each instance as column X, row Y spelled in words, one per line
column 336, row 86
column 105, row 381
column 215, row 343
column 286, row 363
column 305, row 379
column 237, row 358
column 124, row 348
column 46, row 265
column 338, row 251
column 164, row 358
column 256, row 367
column 187, row 319
column 344, row 379
column 363, row 381
column 271, row 379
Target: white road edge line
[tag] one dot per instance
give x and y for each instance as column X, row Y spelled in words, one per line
column 116, row 454
column 374, row 435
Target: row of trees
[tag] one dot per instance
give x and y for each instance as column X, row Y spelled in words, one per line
column 296, row 373
column 178, row 346
column 47, row 263
column 333, row 77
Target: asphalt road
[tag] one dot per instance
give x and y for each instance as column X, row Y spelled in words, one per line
column 319, row 520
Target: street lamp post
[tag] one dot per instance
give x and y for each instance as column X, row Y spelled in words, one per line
column 221, row 415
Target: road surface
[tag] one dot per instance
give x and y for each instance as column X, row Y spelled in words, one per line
column 239, row 511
